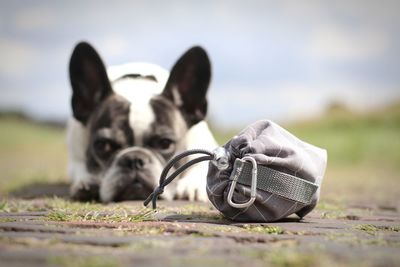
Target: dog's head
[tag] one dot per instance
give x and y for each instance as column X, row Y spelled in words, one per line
column 132, row 136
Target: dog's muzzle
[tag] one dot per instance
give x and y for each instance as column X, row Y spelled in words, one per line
column 133, row 159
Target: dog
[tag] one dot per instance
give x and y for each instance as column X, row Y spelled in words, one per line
column 129, row 120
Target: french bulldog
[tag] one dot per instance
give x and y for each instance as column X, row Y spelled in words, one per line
column 129, row 120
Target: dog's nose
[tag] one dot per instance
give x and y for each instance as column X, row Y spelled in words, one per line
column 132, row 162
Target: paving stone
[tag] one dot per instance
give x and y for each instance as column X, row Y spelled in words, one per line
column 194, row 234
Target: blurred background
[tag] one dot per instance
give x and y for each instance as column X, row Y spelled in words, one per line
column 329, row 71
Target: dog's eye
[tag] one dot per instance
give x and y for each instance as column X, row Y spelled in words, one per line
column 165, row 143
column 162, row 143
column 105, row 146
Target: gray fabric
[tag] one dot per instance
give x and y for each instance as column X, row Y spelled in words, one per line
column 273, row 181
column 272, row 146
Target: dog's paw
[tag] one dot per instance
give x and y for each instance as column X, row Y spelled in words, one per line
column 84, row 191
column 192, row 188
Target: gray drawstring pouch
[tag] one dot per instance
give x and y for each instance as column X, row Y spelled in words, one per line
column 263, row 174
column 289, row 175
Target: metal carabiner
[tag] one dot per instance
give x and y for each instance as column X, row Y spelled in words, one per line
column 253, row 186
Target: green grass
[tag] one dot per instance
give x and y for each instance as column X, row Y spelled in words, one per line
column 48, row 204
column 294, row 259
column 104, row 215
column 363, row 153
column 30, row 153
column 373, row 230
column 64, row 210
column 83, row 261
column 274, row 230
column 5, row 220
column 356, row 139
column 288, row 257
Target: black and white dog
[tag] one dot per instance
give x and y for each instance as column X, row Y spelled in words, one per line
column 129, row 120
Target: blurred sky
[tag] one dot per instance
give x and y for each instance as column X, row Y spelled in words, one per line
column 282, row 60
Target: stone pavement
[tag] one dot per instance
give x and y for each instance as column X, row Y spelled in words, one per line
column 44, row 232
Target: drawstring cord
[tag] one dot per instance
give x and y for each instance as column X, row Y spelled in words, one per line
column 220, row 158
column 164, row 180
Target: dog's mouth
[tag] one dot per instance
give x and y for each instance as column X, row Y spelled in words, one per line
column 129, row 188
column 137, row 190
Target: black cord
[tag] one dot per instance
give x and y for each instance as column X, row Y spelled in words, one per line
column 178, row 157
column 164, row 180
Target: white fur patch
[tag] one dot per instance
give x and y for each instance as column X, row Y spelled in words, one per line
column 141, row 116
column 77, row 141
column 193, row 184
column 139, row 92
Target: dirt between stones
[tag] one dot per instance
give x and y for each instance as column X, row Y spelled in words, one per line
column 56, row 232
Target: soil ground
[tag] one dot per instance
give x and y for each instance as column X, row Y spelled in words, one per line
column 57, row 232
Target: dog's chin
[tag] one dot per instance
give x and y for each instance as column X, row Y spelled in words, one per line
column 119, row 187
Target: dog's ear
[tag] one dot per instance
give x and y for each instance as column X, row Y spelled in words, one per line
column 89, row 81
column 188, row 83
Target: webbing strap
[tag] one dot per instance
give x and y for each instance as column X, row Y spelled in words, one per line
column 274, row 181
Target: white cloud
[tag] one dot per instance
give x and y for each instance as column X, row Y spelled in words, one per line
column 280, row 102
column 16, row 57
column 332, row 42
column 114, row 46
column 35, row 18
column 232, row 105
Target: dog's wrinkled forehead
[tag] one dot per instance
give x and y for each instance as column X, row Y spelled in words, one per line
column 136, row 112
column 138, row 92
column 138, row 83
column 111, row 120
column 147, row 109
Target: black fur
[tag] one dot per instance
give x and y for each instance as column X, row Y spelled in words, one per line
column 191, row 76
column 109, row 122
column 89, row 81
